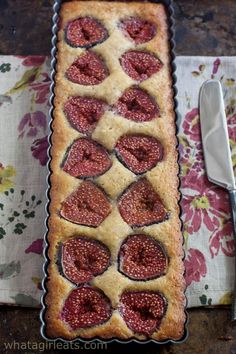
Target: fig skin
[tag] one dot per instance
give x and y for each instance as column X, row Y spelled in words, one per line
column 84, row 113
column 88, row 70
column 86, row 158
column 142, row 258
column 85, row 32
column 138, row 30
column 140, row 205
column 85, row 307
column 139, row 153
column 83, row 258
column 142, row 311
column 137, row 105
column 140, row 65
column 88, row 205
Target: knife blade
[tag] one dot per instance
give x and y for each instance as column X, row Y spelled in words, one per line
column 216, row 148
column 215, row 137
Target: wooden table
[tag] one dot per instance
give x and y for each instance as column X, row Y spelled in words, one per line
column 206, row 27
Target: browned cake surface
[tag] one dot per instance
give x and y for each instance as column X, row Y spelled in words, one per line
column 163, row 177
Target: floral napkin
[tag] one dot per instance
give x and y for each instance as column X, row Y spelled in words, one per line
column 24, row 93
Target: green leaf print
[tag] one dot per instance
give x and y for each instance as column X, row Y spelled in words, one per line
column 203, row 298
column 230, row 82
column 202, row 67
column 9, row 270
column 6, row 174
column 5, row 67
column 195, row 73
column 19, row 227
column 226, row 299
column 184, row 141
column 25, row 210
column 30, row 215
column 2, row 232
column 28, row 77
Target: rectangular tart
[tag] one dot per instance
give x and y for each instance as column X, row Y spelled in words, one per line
column 114, row 233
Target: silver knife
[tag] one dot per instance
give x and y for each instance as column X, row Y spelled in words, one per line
column 216, row 148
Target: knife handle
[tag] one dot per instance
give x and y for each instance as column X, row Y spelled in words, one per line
column 232, row 198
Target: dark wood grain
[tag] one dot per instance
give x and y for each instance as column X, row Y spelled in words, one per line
column 211, row 332
column 203, row 27
column 206, row 27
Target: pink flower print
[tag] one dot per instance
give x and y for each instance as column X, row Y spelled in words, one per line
column 39, row 150
column 231, row 121
column 42, row 89
column 31, row 124
column 202, row 202
column 36, row 247
column 222, row 239
column 195, row 266
column 191, row 125
column 216, row 65
column 32, row 60
column 191, row 158
column 232, row 133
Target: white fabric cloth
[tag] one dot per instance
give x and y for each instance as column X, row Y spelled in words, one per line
column 24, row 92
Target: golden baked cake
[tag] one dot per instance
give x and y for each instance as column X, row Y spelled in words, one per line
column 115, row 243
